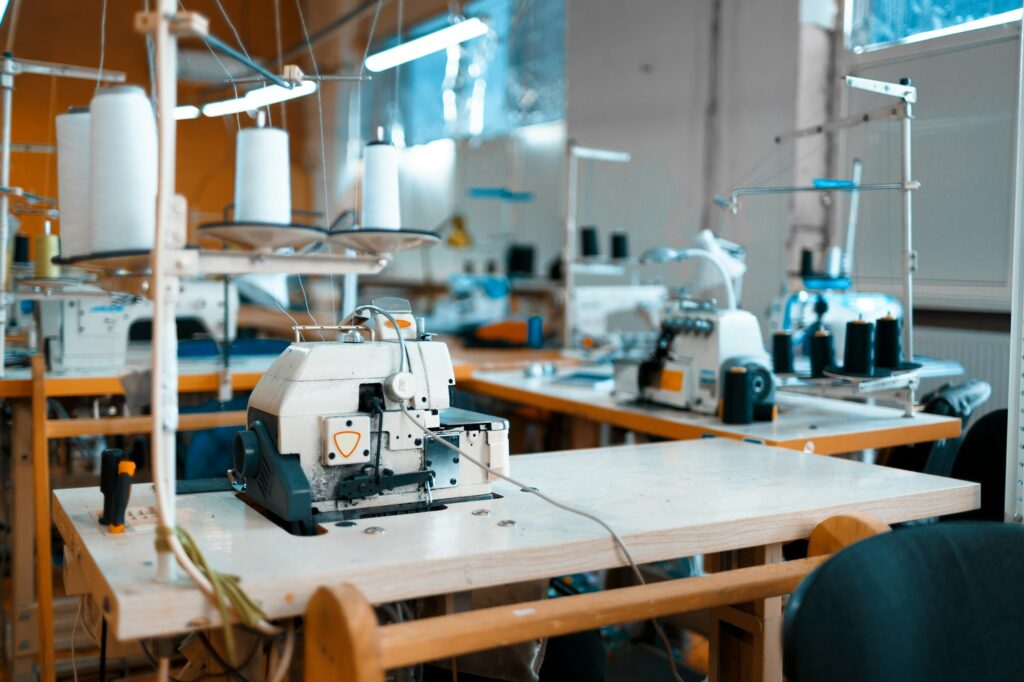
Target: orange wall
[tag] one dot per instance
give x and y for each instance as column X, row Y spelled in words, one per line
column 68, row 31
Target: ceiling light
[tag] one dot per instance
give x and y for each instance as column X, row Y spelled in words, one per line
column 429, row 44
column 258, row 98
column 185, row 112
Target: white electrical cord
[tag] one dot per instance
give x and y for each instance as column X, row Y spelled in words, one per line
column 528, row 489
column 561, row 505
column 285, row 659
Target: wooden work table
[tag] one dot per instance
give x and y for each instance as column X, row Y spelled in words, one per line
column 806, row 423
column 28, row 389
column 666, row 500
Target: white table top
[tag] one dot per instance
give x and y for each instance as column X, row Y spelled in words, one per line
column 666, row 500
column 807, row 423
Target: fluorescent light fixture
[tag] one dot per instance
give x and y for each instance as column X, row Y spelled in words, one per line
column 594, row 154
column 185, row 112
column 460, row 32
column 258, row 98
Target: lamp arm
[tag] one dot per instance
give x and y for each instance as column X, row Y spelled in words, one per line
column 730, row 289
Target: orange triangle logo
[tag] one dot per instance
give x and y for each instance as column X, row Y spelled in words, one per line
column 346, row 442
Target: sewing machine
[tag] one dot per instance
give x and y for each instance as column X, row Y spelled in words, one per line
column 697, row 343
column 327, row 438
column 94, row 333
column 804, row 312
column 617, row 314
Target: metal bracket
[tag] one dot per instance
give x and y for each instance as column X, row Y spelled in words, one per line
column 907, row 93
column 185, row 24
column 365, row 484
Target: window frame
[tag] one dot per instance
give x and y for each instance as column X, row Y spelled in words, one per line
column 928, row 295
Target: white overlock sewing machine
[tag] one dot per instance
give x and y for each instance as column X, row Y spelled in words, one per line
column 93, row 333
column 697, row 344
column 329, row 436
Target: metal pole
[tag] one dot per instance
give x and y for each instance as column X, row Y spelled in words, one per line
column 569, row 247
column 909, row 258
column 7, row 86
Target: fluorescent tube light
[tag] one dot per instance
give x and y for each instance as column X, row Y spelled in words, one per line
column 185, row 112
column 258, row 98
column 428, row 44
column 594, row 154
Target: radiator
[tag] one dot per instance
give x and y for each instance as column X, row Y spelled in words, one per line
column 984, row 355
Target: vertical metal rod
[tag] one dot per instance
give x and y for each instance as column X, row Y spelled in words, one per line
column 165, row 335
column 349, row 292
column 224, row 394
column 1014, row 491
column 909, row 264
column 569, row 247
column 856, row 176
column 7, row 87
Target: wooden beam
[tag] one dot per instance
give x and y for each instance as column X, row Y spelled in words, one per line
column 837, row 532
column 113, row 426
column 432, row 639
column 41, row 487
column 341, row 637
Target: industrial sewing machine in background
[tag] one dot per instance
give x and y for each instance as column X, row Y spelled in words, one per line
column 328, row 438
column 92, row 333
column 697, row 344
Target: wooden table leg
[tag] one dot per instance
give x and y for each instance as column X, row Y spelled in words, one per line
column 24, row 629
column 41, row 495
column 746, row 639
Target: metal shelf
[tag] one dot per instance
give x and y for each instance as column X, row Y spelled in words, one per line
column 188, row 262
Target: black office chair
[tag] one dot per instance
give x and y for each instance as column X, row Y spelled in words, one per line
column 940, row 602
column 982, row 458
column 961, row 401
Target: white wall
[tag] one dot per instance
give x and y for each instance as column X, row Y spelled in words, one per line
column 638, row 80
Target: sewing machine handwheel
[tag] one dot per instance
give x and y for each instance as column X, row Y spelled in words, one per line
column 247, row 453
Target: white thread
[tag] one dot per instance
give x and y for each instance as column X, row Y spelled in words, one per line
column 122, row 173
column 262, row 176
column 73, row 165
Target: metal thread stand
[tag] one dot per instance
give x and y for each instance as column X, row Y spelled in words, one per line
column 574, row 153
column 1014, row 496
column 903, row 111
column 9, row 68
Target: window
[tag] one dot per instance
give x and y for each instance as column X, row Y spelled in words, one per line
column 513, row 76
column 872, row 24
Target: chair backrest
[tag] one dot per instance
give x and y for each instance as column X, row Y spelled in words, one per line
column 982, row 458
column 939, row 602
column 950, row 400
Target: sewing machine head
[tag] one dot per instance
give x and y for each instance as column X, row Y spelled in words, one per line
column 93, row 332
column 697, row 343
column 330, row 426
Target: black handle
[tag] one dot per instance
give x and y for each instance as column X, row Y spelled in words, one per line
column 108, row 480
column 125, row 475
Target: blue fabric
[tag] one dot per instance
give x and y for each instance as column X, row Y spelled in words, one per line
column 208, row 453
